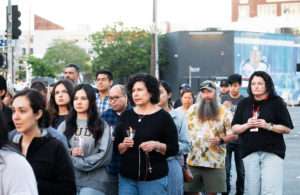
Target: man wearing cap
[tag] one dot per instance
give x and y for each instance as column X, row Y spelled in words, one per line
column 210, row 129
column 224, row 87
column 183, row 87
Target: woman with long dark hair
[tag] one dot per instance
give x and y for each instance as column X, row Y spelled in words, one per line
column 90, row 139
column 48, row 157
column 261, row 120
column 16, row 175
column 60, row 102
column 145, row 136
column 175, row 176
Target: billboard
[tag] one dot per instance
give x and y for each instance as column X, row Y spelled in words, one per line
column 277, row 54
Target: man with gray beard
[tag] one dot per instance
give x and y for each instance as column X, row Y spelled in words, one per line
column 210, row 129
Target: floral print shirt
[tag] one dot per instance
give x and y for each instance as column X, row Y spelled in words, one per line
column 203, row 153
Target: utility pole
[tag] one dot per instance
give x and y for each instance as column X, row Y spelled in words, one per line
column 154, row 43
column 9, row 78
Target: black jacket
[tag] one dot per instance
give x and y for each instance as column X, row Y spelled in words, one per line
column 7, row 116
column 51, row 164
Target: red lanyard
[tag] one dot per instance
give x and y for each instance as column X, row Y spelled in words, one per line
column 255, row 112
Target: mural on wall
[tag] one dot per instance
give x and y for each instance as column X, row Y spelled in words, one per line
column 277, row 54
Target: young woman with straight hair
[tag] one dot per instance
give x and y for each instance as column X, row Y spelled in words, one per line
column 60, row 102
column 90, row 142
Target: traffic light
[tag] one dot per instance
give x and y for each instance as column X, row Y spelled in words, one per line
column 16, row 23
column 3, row 60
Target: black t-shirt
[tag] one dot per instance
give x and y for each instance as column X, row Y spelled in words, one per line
column 158, row 126
column 235, row 102
column 177, row 103
column 271, row 110
column 60, row 119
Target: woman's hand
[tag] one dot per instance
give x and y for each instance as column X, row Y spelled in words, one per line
column 149, row 146
column 254, row 122
column 128, row 142
column 77, row 152
column 262, row 124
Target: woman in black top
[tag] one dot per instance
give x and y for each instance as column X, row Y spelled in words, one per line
column 145, row 136
column 60, row 102
column 48, row 157
column 261, row 120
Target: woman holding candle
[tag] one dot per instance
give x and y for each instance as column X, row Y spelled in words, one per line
column 263, row 150
column 90, row 139
column 175, row 176
column 144, row 168
column 60, row 102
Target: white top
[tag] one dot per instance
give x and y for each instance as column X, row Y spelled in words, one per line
column 16, row 175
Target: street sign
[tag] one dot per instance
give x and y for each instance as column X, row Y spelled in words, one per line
column 3, row 43
column 194, row 69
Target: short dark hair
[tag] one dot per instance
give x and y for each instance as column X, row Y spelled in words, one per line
column 39, row 85
column 37, row 102
column 107, row 72
column 3, row 85
column 235, row 78
column 188, row 91
column 270, row 89
column 151, row 84
column 72, row 65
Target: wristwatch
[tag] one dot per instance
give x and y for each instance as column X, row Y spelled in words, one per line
column 270, row 126
column 221, row 141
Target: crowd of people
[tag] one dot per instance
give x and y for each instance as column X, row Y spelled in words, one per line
column 71, row 138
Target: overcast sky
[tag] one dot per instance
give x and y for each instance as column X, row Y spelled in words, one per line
column 71, row 14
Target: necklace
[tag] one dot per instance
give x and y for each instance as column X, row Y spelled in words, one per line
column 140, row 117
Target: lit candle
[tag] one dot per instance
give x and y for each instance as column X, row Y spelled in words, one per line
column 130, row 132
column 80, row 141
column 111, row 129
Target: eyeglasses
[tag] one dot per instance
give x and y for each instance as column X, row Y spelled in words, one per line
column 116, row 98
column 102, row 80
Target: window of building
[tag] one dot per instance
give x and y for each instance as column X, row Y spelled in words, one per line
column 23, row 51
column 244, row 11
column 290, row 9
column 266, row 10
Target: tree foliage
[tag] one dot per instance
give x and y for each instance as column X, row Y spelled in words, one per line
column 40, row 68
column 123, row 51
column 62, row 52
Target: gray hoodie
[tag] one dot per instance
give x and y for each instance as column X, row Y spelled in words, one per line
column 91, row 170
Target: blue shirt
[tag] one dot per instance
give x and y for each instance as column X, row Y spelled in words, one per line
column 102, row 104
column 111, row 117
column 182, row 131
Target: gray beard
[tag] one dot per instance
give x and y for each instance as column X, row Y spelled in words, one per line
column 208, row 110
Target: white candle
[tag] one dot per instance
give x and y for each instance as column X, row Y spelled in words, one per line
column 80, row 141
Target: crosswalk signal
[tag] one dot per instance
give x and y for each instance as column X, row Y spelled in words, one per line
column 16, row 23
